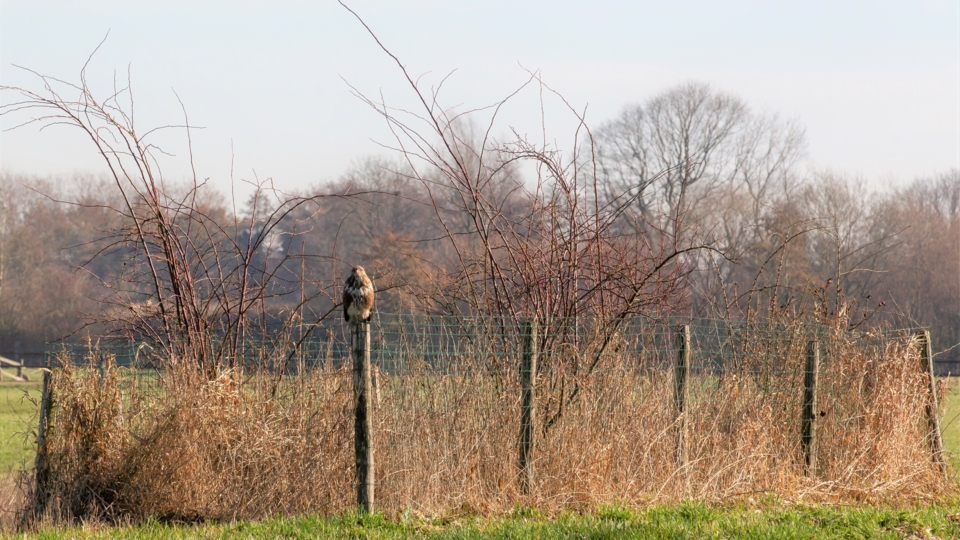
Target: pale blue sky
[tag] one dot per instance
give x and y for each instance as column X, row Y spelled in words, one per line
column 876, row 84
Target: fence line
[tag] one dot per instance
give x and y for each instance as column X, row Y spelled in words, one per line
column 441, row 404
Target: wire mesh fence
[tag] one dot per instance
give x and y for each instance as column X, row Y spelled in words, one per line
column 632, row 412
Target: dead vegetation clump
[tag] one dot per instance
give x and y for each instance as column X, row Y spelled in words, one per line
column 453, row 442
column 173, row 444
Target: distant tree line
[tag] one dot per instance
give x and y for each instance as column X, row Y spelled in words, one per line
column 688, row 203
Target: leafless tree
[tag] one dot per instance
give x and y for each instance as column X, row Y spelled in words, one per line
column 197, row 279
column 689, row 145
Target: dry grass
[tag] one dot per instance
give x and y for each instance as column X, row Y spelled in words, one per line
column 452, row 442
column 182, row 447
column 246, row 445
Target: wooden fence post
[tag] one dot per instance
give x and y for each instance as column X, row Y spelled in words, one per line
column 18, row 359
column 363, row 421
column 328, row 353
column 46, row 404
column 681, row 391
column 808, row 429
column 528, row 382
column 102, row 367
column 933, row 408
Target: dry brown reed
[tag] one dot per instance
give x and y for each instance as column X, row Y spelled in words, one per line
column 453, row 442
column 129, row 444
column 175, row 445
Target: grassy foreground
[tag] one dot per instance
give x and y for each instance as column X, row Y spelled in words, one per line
column 692, row 520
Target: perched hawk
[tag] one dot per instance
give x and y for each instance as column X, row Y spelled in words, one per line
column 357, row 297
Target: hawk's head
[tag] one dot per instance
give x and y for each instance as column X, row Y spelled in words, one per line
column 359, row 272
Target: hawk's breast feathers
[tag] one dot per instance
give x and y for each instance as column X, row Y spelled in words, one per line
column 357, row 297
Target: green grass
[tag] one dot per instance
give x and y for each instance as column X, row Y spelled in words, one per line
column 18, row 415
column 950, row 426
column 694, row 520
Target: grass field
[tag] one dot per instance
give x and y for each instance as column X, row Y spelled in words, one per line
column 951, row 423
column 18, row 416
column 765, row 519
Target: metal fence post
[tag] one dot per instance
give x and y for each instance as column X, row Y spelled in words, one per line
column 933, row 412
column 528, row 381
column 681, row 390
column 808, row 430
column 363, row 421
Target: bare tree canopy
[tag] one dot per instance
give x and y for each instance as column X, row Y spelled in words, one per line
column 688, row 146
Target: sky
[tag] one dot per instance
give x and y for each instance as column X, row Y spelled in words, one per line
column 876, row 84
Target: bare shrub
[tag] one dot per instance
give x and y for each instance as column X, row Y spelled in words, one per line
column 174, row 444
column 195, row 280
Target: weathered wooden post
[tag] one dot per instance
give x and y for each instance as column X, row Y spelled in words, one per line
column 528, row 406
column 363, row 421
column 328, row 353
column 933, row 408
column 681, row 391
column 808, row 427
column 46, row 404
column 18, row 359
column 102, row 367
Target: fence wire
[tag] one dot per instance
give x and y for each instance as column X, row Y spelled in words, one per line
column 608, row 427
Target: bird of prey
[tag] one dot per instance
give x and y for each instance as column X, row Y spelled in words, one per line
column 357, row 297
